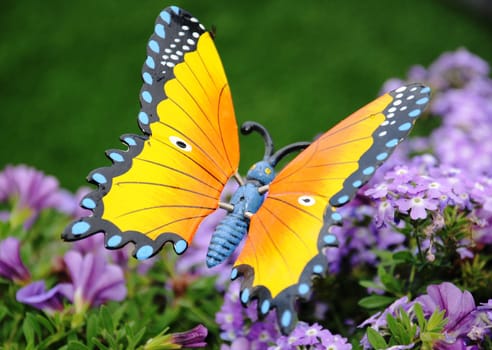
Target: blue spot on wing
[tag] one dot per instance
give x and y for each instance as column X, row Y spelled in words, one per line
column 368, row 171
column 391, row 143
column 286, row 318
column 357, row 183
column 114, row 241
column 99, row 178
column 116, row 157
column 147, row 97
column 180, row 246
column 144, row 252
column 80, row 228
column 150, row 62
column 336, row 216
column 303, row 288
column 143, row 117
column 160, row 31
column 147, row 78
column 265, row 306
column 88, row 203
column 245, row 295
column 382, row 156
column 166, row 17
column 343, row 199
column 415, row 113
column 154, row 46
column 404, row 127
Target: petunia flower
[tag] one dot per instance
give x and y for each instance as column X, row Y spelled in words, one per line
column 378, row 321
column 11, row 265
column 36, row 295
column 193, row 338
column 93, row 280
column 459, row 308
column 29, row 191
column 69, row 202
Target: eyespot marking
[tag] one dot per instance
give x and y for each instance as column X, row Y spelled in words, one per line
column 180, row 143
column 306, row 201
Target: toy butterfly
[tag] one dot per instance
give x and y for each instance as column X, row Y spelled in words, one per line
column 170, row 179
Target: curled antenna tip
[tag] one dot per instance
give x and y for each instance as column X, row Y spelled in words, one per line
column 249, row 127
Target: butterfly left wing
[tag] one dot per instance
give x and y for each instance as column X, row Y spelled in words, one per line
column 284, row 245
column 170, row 178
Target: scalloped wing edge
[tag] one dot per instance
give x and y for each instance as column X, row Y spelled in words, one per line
column 284, row 302
column 114, row 237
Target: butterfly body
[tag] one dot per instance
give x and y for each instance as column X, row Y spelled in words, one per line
column 245, row 201
column 170, row 179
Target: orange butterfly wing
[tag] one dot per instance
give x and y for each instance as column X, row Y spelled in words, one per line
column 171, row 178
column 283, row 248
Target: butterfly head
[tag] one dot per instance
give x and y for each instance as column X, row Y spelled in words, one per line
column 262, row 171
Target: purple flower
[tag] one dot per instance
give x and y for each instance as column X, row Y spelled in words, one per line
column 459, row 308
column 237, row 344
column 93, row 280
column 69, row 203
column 417, row 205
column 456, row 69
column 30, row 190
column 194, row 338
column 11, row 265
column 36, row 295
column 312, row 337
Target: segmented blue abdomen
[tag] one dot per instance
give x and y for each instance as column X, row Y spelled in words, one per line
column 226, row 238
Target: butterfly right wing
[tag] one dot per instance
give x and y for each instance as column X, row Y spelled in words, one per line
column 287, row 235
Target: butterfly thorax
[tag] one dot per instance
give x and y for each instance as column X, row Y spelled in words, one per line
column 245, row 201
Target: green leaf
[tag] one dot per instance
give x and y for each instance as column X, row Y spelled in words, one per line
column 403, row 256
column 437, row 321
column 46, row 324
column 375, row 301
column 376, row 339
column 92, row 326
column 419, row 313
column 397, row 330
column 98, row 344
column 106, row 319
column 3, row 312
column 29, row 330
column 76, row 345
column 370, row 284
column 389, row 281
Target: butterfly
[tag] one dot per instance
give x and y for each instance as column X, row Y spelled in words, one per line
column 170, row 179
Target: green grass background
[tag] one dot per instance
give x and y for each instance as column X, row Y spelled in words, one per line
column 70, row 70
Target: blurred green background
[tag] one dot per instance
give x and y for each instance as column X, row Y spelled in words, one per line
column 70, row 70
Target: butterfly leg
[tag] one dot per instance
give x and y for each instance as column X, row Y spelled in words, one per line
column 263, row 189
column 227, row 206
column 238, row 178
